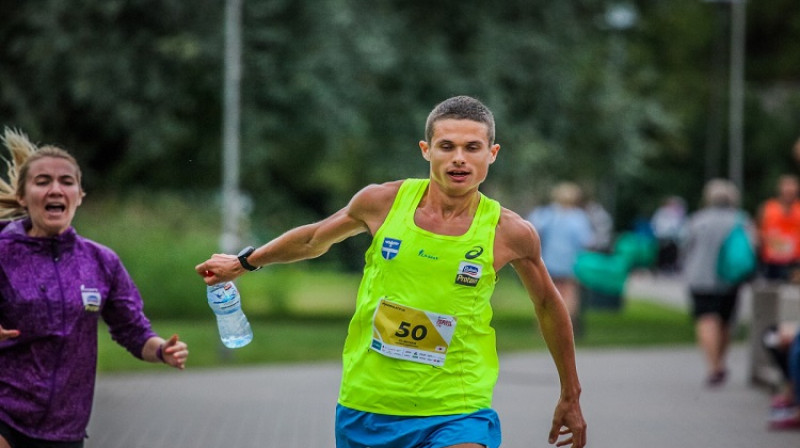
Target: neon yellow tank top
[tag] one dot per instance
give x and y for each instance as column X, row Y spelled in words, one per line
column 420, row 341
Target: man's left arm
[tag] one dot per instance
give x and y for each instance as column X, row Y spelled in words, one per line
column 518, row 244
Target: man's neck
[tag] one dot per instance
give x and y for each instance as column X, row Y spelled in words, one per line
column 446, row 214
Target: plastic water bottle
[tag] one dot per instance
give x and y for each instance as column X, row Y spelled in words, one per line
column 234, row 329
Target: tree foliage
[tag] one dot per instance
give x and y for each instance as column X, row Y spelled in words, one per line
column 335, row 94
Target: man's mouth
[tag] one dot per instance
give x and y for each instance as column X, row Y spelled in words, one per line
column 458, row 174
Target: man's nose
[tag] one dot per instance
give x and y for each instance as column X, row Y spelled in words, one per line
column 458, row 157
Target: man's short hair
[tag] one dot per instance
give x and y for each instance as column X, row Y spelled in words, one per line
column 460, row 108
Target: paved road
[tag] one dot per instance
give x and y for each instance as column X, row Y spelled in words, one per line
column 651, row 398
column 632, row 398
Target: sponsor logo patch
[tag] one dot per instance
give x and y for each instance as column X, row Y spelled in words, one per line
column 91, row 299
column 468, row 274
column 390, row 248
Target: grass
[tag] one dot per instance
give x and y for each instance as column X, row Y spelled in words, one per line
column 299, row 312
column 320, row 338
column 273, row 342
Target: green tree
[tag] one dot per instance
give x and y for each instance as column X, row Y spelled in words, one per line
column 335, row 94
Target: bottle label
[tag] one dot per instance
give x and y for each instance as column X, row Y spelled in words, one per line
column 224, row 299
column 228, row 306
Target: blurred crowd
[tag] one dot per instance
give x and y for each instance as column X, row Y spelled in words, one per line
column 587, row 259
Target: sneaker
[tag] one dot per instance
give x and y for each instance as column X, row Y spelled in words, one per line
column 781, row 401
column 717, row 379
column 787, row 422
column 781, row 414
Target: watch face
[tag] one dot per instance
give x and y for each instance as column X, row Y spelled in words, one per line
column 246, row 251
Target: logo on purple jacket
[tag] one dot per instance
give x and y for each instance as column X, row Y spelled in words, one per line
column 91, row 298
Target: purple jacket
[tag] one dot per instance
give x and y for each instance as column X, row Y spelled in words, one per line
column 53, row 290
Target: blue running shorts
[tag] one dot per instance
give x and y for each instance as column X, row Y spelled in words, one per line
column 356, row 429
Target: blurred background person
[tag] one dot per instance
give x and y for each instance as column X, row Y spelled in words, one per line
column 54, row 287
column 779, row 341
column 796, row 150
column 602, row 226
column 779, row 231
column 786, row 415
column 713, row 300
column 667, row 223
column 565, row 230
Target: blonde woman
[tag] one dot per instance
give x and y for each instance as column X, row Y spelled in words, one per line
column 55, row 286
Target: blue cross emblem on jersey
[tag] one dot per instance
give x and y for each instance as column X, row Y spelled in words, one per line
column 390, row 248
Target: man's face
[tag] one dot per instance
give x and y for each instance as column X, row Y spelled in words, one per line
column 459, row 154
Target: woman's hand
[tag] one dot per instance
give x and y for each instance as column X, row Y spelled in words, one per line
column 175, row 352
column 7, row 334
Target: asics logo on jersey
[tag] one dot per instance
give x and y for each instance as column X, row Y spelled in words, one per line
column 475, row 252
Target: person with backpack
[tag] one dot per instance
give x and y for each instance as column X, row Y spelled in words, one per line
column 714, row 298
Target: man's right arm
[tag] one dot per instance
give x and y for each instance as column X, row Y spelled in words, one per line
column 364, row 213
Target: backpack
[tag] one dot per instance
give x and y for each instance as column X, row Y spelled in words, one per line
column 736, row 261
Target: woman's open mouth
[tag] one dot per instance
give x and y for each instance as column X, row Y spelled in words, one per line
column 55, row 208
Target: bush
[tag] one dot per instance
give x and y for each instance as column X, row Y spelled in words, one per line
column 160, row 238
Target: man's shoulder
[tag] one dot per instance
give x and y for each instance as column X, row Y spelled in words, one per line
column 511, row 223
column 372, row 203
column 379, row 192
column 515, row 238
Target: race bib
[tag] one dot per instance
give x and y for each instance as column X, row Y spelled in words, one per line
column 406, row 333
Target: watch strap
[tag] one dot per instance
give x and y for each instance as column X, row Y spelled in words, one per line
column 246, row 252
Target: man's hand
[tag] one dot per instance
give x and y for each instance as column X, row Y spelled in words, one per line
column 568, row 421
column 220, row 268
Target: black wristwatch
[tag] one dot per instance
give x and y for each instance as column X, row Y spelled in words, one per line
column 243, row 254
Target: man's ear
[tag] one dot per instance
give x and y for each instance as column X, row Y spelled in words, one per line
column 494, row 150
column 423, row 146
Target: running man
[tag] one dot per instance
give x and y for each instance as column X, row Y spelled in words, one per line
column 420, row 361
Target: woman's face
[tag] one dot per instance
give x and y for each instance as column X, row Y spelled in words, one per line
column 52, row 195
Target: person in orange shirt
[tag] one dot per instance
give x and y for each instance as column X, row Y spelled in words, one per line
column 779, row 231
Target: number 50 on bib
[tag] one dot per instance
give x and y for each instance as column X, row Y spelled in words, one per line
column 410, row 334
